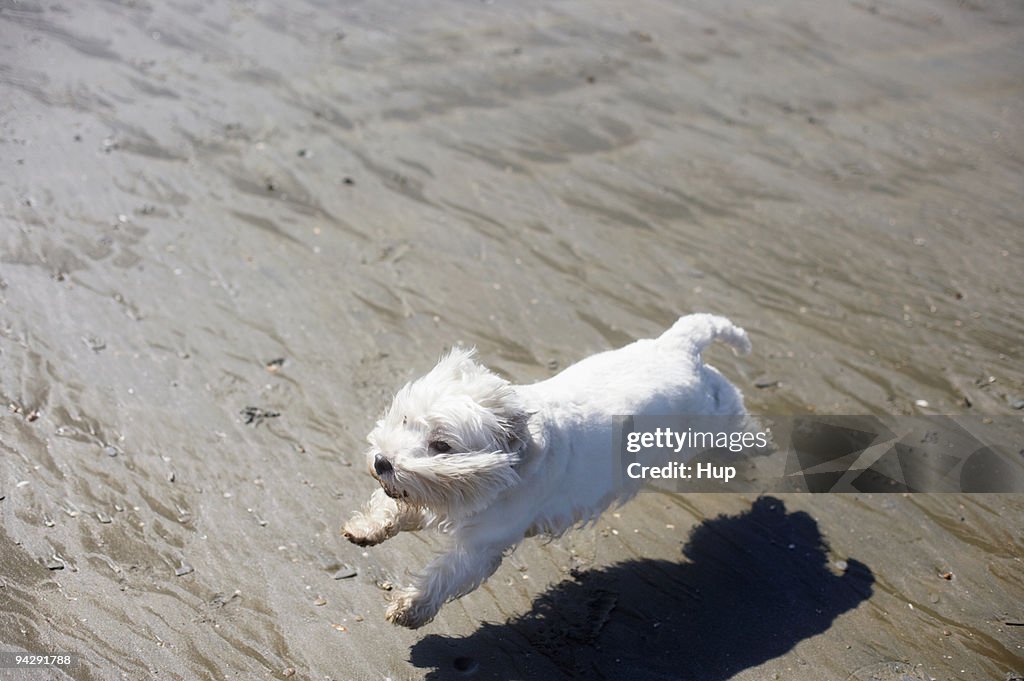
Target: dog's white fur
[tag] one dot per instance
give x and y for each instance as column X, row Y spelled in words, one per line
column 526, row 459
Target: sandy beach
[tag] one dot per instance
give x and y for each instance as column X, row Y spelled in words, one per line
column 230, row 230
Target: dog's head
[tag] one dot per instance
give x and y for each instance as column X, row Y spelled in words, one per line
column 450, row 440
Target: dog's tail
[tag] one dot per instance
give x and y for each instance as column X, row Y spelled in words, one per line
column 697, row 331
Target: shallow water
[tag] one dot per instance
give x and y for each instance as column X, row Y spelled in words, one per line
column 195, row 190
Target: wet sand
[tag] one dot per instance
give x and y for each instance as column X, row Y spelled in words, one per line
column 207, row 207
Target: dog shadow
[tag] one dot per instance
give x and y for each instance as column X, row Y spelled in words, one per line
column 754, row 586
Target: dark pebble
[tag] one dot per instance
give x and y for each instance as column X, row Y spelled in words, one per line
column 183, row 570
column 253, row 416
column 345, row 573
column 94, row 344
column 349, row 181
column 765, row 383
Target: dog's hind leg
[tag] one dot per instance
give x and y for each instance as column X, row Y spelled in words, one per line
column 382, row 518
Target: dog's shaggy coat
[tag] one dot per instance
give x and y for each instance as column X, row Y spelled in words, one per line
column 488, row 463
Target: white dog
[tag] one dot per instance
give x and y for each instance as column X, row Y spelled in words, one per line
column 489, row 463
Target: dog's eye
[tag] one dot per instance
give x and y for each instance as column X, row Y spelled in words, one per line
column 440, row 446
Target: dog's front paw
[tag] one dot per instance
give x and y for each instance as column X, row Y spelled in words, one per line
column 410, row 609
column 364, row 532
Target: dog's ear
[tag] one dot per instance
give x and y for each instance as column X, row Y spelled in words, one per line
column 492, row 392
column 516, row 430
column 510, row 417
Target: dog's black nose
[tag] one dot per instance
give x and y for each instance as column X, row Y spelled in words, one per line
column 382, row 465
